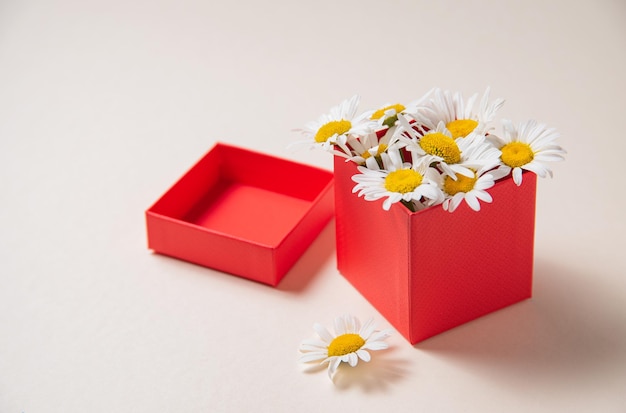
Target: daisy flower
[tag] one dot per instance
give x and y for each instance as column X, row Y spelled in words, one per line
column 350, row 343
column 388, row 114
column 335, row 127
column 376, row 142
column 398, row 181
column 368, row 148
column 461, row 118
column 528, row 147
column 468, row 189
column 454, row 156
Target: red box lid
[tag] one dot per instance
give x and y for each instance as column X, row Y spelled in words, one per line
column 242, row 212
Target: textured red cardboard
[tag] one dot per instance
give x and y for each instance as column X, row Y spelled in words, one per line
column 242, row 212
column 432, row 270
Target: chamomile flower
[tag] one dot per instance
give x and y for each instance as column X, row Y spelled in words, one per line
column 398, row 181
column 468, row 189
column 460, row 117
column 528, row 147
column 350, row 343
column 388, row 114
column 454, row 156
column 368, row 148
column 335, row 127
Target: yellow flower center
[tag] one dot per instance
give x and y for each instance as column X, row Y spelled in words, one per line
column 345, row 344
column 460, row 128
column 381, row 112
column 332, row 128
column 381, row 148
column 403, row 181
column 441, row 145
column 516, row 154
column 462, row 184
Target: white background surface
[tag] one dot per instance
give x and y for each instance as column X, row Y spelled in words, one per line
column 104, row 104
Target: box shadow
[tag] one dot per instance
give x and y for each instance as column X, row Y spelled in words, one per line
column 567, row 333
column 311, row 262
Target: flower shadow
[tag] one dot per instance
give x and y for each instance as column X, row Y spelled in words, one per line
column 374, row 376
column 313, row 368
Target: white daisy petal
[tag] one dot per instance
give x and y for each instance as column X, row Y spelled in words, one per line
column 446, row 205
column 315, row 342
column 307, row 347
column 380, row 335
column 367, row 329
column 545, row 156
column 340, row 326
column 472, row 201
column 332, row 366
column 517, row 176
column 484, row 182
column 356, row 325
column 323, row 333
column 353, row 359
column 483, row 196
column 500, row 172
column 537, row 168
column 387, row 204
column 371, row 163
column 309, row 357
column 375, row 345
column 459, row 169
column 364, row 355
column 455, row 202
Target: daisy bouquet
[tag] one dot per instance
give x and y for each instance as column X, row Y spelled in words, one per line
column 439, row 149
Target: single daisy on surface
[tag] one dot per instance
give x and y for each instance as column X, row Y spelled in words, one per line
column 350, row 343
column 460, row 117
column 528, row 147
column 335, row 127
column 399, row 181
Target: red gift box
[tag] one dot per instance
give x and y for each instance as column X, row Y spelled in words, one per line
column 432, row 270
column 242, row 212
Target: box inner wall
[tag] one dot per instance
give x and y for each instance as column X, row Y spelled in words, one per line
column 248, row 212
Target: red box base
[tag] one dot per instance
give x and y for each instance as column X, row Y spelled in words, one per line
column 242, row 212
column 432, row 270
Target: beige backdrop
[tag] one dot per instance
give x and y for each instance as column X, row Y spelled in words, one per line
column 103, row 104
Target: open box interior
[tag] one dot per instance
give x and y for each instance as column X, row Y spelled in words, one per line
column 244, row 194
